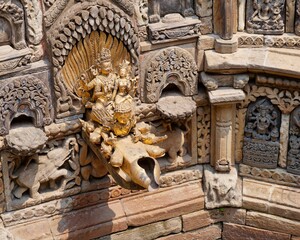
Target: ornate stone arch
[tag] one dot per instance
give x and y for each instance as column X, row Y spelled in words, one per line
column 15, row 16
column 85, row 17
column 172, row 65
column 82, row 20
column 24, row 96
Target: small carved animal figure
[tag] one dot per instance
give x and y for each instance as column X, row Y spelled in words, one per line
column 44, row 168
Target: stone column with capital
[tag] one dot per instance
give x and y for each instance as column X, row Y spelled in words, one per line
column 223, row 117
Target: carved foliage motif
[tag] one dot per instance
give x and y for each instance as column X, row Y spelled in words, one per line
column 261, row 141
column 203, row 134
column 54, row 10
column 28, row 96
column 264, row 16
column 85, row 17
column 171, row 65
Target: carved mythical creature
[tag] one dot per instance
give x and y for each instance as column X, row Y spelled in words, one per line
column 44, row 168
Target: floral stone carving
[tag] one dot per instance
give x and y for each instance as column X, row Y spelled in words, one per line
column 24, row 96
column 261, row 135
column 172, row 65
column 110, row 127
column 265, row 16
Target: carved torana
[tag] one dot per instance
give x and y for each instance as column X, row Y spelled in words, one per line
column 171, row 66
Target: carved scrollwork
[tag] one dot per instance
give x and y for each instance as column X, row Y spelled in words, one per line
column 172, row 65
column 24, row 96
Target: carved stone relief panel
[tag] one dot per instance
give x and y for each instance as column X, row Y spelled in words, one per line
column 293, row 156
column 173, row 65
column 48, row 174
column 261, row 134
column 27, row 97
column 222, row 190
column 285, row 100
column 265, row 16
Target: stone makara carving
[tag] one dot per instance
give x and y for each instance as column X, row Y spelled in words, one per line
column 265, row 16
column 110, row 126
column 261, row 135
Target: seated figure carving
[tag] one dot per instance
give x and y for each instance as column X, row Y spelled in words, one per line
column 110, row 126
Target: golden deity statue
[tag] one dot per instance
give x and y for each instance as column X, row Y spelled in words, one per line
column 111, row 126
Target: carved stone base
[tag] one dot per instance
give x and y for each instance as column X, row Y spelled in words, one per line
column 226, row 46
column 259, row 153
column 222, row 189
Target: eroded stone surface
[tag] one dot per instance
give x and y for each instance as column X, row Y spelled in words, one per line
column 234, row 231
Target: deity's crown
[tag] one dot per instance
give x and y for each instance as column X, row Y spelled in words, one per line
column 124, row 64
column 105, row 55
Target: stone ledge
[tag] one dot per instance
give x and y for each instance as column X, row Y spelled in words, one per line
column 283, row 62
column 163, row 204
column 270, row 198
column 204, row 218
column 148, row 232
column 212, row 232
column 272, row 223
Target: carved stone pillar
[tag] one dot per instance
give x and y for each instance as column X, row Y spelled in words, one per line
column 225, row 14
column 223, row 117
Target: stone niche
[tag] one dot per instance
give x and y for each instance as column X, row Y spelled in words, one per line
column 261, row 134
column 170, row 20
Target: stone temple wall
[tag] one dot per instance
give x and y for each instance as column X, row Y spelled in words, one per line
column 136, row 119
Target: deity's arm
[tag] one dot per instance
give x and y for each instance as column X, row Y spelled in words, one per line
column 91, row 84
column 116, row 86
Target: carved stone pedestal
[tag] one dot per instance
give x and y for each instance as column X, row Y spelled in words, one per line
column 222, row 127
column 222, row 189
column 226, row 46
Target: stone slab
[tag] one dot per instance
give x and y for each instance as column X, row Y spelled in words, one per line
column 148, row 232
column 204, row 218
column 271, row 198
column 234, row 232
column 226, row 95
column 272, row 223
column 164, row 203
column 33, row 231
column 212, row 232
column 265, row 60
column 93, row 221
